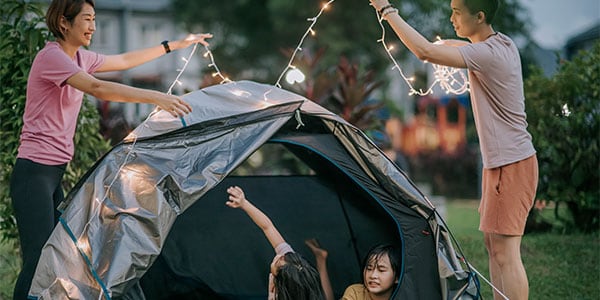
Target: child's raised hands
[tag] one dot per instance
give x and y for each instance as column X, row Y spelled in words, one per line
column 236, row 197
column 316, row 249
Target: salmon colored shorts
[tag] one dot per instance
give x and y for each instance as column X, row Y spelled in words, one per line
column 508, row 193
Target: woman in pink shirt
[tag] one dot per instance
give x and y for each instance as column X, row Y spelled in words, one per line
column 58, row 78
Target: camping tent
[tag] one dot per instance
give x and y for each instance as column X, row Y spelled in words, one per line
column 148, row 220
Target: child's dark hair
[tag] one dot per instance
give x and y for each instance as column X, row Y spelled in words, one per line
column 297, row 280
column 377, row 252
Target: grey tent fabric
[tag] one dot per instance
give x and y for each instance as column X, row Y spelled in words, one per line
column 116, row 220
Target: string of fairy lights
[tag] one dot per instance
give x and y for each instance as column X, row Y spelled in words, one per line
column 217, row 73
column 207, row 54
column 186, row 62
column 451, row 80
column 298, row 48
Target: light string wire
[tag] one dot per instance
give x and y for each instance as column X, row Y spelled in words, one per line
column 187, row 61
column 208, row 54
column 396, row 66
column 443, row 75
column 157, row 109
column 313, row 21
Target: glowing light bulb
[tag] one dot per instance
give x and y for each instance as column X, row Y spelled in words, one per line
column 565, row 110
column 313, row 21
column 294, row 76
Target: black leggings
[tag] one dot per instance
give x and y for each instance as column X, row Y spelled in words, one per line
column 36, row 191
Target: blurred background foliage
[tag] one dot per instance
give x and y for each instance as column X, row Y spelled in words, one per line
column 250, row 33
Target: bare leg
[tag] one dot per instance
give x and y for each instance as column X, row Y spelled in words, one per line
column 321, row 258
column 495, row 275
column 506, row 267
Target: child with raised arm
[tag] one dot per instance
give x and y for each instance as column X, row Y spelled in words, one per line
column 291, row 276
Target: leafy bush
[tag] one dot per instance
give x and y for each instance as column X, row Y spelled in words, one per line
column 564, row 119
column 21, row 37
column 452, row 175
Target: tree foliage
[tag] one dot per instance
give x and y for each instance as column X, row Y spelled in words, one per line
column 22, row 35
column 250, row 33
column 564, row 116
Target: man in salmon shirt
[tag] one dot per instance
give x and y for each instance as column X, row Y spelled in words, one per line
column 510, row 170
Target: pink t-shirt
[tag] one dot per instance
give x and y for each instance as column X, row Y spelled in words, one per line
column 283, row 248
column 52, row 106
column 498, row 100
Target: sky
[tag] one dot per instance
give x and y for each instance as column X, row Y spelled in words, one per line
column 555, row 21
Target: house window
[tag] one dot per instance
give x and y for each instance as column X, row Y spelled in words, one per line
column 151, row 33
column 452, row 111
column 102, row 34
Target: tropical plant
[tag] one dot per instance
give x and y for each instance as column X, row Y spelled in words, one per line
column 352, row 95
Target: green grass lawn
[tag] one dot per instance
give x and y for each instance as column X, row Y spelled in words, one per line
column 559, row 266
